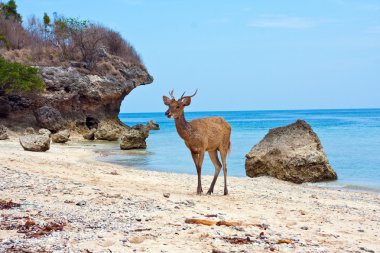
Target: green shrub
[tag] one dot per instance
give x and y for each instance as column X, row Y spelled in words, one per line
column 16, row 77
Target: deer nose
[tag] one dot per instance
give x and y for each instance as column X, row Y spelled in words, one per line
column 167, row 113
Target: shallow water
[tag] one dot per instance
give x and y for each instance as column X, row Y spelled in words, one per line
column 351, row 139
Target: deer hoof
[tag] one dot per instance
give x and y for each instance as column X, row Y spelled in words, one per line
column 225, row 192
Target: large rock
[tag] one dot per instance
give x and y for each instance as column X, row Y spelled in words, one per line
column 44, row 131
column 292, row 153
column 107, row 132
column 134, row 139
column 90, row 135
column 153, row 125
column 62, row 136
column 35, row 142
column 49, row 118
column 84, row 98
column 3, row 132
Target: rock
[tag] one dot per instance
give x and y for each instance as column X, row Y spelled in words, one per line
column 34, row 142
column 49, row 118
column 292, row 153
column 166, row 195
column 152, row 125
column 107, row 132
column 134, row 139
column 62, row 136
column 5, row 108
column 81, row 203
column 3, row 133
column 44, row 131
column 29, row 130
column 90, row 135
column 140, row 127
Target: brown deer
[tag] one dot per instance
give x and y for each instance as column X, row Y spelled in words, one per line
column 200, row 135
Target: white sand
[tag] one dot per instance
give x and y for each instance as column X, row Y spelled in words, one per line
column 120, row 200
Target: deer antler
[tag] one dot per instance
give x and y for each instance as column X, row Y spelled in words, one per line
column 171, row 94
column 189, row 96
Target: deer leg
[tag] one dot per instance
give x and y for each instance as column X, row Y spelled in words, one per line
column 223, row 155
column 198, row 160
column 214, row 158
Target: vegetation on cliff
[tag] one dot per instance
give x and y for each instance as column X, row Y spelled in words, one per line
column 57, row 40
column 17, row 77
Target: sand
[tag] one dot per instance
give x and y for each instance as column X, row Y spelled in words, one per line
column 109, row 208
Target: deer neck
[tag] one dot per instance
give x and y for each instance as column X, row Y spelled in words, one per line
column 183, row 127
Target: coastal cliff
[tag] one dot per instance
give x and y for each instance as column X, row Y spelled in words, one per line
column 82, row 98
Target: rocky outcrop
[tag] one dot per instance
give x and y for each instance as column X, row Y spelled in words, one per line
column 35, row 142
column 49, row 118
column 5, row 108
column 152, row 125
column 84, row 99
column 44, row 131
column 292, row 153
column 29, row 130
column 90, row 135
column 62, row 136
column 134, row 139
column 108, row 132
column 3, row 132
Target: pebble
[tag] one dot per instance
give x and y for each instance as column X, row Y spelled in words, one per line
column 81, row 203
column 166, row 195
column 305, row 228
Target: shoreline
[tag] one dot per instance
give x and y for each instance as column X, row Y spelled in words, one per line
column 105, row 155
column 125, row 209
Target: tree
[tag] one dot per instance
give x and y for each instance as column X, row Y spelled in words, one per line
column 46, row 19
column 10, row 11
column 16, row 77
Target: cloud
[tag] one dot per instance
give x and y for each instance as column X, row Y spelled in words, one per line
column 287, row 23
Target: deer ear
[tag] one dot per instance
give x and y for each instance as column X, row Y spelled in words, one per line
column 186, row 101
column 166, row 100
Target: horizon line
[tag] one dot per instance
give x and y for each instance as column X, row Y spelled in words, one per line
column 267, row 110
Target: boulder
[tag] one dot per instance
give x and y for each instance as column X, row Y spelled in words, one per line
column 44, row 131
column 291, row 153
column 35, row 142
column 134, row 139
column 107, row 132
column 152, row 125
column 5, row 108
column 29, row 130
column 62, row 136
column 90, row 135
column 3, row 133
column 49, row 118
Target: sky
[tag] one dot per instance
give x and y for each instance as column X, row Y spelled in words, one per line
column 244, row 55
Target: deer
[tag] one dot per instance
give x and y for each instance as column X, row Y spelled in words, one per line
column 210, row 134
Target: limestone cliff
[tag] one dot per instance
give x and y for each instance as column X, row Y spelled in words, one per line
column 83, row 99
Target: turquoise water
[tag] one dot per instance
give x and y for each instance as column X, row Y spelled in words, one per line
column 351, row 139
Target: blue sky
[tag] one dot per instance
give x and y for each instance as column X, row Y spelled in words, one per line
column 244, row 55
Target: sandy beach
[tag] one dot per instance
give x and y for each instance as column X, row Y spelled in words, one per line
column 102, row 207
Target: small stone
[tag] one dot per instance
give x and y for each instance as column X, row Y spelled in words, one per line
column 361, row 230
column 81, row 203
column 305, row 228
column 166, row 195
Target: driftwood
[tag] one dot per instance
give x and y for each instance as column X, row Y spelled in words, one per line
column 212, row 223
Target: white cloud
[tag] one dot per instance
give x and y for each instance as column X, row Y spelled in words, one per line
column 287, row 22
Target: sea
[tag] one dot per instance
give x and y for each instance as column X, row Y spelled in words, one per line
column 350, row 138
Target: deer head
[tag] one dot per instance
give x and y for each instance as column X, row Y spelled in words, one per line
column 176, row 107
